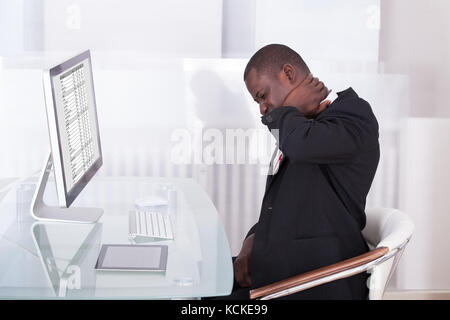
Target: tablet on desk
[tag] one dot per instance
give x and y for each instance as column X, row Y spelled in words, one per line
column 124, row 257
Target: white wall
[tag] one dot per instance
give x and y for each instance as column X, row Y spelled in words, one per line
column 238, row 28
column 415, row 40
column 170, row 28
column 12, row 21
column 323, row 30
column 424, row 186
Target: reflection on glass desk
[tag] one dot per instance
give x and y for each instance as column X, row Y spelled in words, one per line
column 56, row 260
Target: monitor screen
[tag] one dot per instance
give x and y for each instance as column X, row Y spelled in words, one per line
column 78, row 151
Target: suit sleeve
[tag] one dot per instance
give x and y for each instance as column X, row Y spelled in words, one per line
column 333, row 138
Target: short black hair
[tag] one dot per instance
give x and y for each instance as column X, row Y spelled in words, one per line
column 271, row 58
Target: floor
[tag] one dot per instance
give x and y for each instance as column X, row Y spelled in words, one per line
column 417, row 295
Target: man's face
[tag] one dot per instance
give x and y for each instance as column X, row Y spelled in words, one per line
column 269, row 91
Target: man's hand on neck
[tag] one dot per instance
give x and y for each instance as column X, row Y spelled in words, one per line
column 307, row 97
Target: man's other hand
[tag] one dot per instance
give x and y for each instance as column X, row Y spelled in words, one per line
column 241, row 265
column 307, row 97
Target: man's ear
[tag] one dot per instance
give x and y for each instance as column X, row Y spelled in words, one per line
column 289, row 72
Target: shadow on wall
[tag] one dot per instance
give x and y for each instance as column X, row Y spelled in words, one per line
column 236, row 188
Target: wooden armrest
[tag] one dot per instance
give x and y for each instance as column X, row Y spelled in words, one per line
column 319, row 273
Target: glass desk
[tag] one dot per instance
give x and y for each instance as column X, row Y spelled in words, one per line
column 48, row 260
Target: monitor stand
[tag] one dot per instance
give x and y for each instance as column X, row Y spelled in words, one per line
column 40, row 211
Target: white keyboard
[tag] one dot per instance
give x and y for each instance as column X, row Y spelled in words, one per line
column 150, row 224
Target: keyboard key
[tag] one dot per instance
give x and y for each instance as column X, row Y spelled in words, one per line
column 149, row 225
column 154, row 224
column 168, row 226
column 139, row 222
column 161, row 225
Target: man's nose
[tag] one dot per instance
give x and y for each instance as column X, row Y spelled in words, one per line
column 263, row 108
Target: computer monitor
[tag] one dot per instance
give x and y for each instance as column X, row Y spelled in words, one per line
column 76, row 153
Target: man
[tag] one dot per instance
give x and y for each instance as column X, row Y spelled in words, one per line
column 312, row 212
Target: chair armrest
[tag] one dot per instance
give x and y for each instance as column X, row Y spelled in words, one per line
column 319, row 273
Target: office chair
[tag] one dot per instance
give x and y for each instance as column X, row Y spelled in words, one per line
column 387, row 233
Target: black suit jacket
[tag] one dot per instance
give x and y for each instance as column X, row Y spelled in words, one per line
column 312, row 212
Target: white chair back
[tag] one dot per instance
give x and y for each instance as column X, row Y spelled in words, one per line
column 386, row 227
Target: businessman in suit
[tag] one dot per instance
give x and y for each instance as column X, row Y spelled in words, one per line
column 312, row 211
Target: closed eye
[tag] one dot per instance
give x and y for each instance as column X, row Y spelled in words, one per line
column 262, row 97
